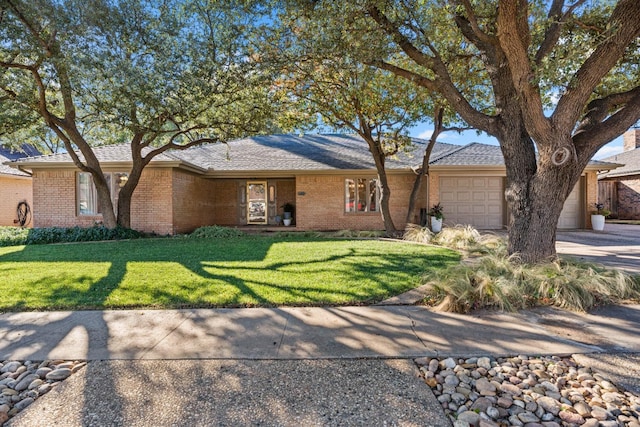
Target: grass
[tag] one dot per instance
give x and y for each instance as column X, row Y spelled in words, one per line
column 189, row 272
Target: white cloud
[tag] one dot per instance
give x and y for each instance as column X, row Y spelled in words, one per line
column 425, row 134
column 607, row 151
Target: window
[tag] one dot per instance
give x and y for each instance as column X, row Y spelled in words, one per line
column 361, row 195
column 88, row 196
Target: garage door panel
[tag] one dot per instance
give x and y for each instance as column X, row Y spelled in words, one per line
column 495, row 196
column 477, row 201
column 495, row 211
column 570, row 216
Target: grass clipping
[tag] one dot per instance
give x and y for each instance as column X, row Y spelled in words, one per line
column 490, row 279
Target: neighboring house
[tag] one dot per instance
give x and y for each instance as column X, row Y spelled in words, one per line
column 15, row 185
column 619, row 189
column 330, row 179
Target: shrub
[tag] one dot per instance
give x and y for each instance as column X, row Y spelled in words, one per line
column 216, row 232
column 11, row 236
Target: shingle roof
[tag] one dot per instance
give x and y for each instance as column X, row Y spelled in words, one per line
column 9, row 154
column 631, row 161
column 299, row 153
column 308, row 152
column 270, row 153
column 105, row 154
column 474, row 154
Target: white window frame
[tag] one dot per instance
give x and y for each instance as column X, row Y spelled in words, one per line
column 352, row 207
column 92, row 197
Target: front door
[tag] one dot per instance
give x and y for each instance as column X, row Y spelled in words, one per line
column 256, row 202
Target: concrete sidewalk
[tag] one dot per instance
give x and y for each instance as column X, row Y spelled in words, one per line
column 311, row 333
column 284, row 366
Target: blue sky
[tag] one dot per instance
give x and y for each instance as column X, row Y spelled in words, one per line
column 424, row 131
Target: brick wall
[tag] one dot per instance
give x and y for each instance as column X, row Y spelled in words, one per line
column 631, row 139
column 591, row 185
column 193, row 202
column 629, row 197
column 322, row 205
column 152, row 202
column 225, row 201
column 13, row 190
column 54, row 201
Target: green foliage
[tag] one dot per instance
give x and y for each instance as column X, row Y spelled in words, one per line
column 12, row 236
column 217, row 232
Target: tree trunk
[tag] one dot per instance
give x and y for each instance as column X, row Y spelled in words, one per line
column 126, row 192
column 385, row 192
column 424, row 168
column 104, row 200
column 536, row 192
column 385, row 195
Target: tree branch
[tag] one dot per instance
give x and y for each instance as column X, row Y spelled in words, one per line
column 441, row 84
column 599, row 126
column 513, row 33
column 623, row 30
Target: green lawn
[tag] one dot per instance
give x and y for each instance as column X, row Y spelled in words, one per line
column 249, row 271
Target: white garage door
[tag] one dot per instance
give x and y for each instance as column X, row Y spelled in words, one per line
column 570, row 217
column 477, row 201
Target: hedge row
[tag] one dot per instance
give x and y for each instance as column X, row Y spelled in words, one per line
column 12, row 236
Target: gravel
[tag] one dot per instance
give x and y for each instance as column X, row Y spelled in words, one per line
column 527, row 391
column 22, row 382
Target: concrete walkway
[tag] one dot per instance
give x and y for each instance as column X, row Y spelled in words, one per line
column 310, row 333
column 286, row 366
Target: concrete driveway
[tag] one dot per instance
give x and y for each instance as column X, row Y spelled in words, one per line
column 617, row 246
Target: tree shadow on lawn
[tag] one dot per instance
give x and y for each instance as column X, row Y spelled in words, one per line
column 209, row 261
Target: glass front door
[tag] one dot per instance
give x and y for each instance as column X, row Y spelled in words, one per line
column 257, row 202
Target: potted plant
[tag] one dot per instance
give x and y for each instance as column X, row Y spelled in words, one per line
column 288, row 209
column 436, row 218
column 598, row 216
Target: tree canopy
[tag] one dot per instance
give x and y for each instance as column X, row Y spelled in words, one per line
column 552, row 81
column 157, row 75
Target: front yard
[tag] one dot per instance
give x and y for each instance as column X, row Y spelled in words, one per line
column 180, row 272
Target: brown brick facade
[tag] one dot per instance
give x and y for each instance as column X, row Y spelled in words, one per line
column 629, row 197
column 169, row 201
column 13, row 190
column 152, row 206
column 193, row 202
column 627, row 193
column 320, row 203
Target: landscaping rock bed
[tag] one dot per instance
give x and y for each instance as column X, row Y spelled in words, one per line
column 527, row 391
column 21, row 382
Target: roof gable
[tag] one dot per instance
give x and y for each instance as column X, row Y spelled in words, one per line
column 631, row 164
column 9, row 154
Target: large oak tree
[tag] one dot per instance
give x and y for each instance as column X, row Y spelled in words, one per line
column 158, row 75
column 552, row 81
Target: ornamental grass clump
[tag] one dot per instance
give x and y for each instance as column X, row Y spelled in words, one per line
column 501, row 282
column 417, row 233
